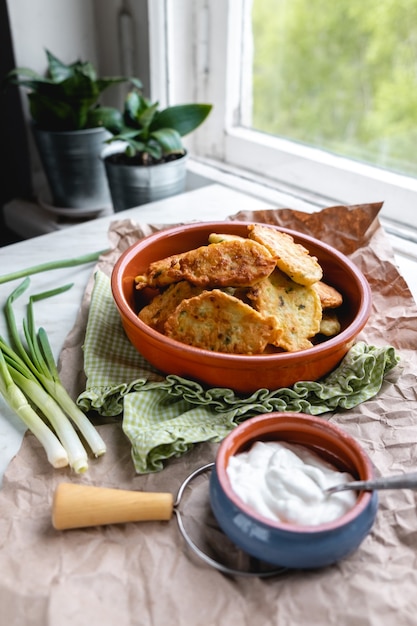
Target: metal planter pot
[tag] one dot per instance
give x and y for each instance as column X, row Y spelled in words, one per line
column 73, row 167
column 133, row 185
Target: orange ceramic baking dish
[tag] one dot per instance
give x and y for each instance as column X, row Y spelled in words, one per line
column 242, row 373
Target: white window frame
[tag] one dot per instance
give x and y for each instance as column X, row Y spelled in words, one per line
column 201, row 42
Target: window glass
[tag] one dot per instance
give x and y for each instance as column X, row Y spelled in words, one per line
column 339, row 76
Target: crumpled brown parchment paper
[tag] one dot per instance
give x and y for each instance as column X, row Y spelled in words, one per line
column 142, row 574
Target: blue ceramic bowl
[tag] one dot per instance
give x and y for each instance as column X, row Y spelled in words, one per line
column 287, row 544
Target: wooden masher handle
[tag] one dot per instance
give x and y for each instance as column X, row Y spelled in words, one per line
column 78, row 506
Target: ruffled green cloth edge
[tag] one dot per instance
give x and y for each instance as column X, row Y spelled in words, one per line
column 166, row 420
column 164, row 416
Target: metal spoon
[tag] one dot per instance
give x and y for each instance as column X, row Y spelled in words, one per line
column 400, row 481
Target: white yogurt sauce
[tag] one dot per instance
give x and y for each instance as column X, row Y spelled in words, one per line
column 285, row 482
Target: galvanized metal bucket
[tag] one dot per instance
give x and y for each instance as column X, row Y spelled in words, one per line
column 73, row 167
column 133, row 185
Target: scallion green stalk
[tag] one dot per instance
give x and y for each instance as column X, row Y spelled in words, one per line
column 33, row 369
column 35, row 392
column 52, row 265
column 17, row 401
column 47, row 373
column 59, row 393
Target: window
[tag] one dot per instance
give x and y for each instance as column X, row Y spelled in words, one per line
column 213, row 54
column 337, row 76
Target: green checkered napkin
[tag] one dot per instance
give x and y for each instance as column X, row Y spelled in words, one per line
column 164, row 416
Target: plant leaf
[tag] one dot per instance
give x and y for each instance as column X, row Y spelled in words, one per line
column 169, row 139
column 25, row 77
column 146, row 116
column 133, row 147
column 154, row 149
column 184, row 118
column 105, row 82
column 108, row 117
column 58, row 71
column 134, row 104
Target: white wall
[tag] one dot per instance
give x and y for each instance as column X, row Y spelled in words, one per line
column 65, row 27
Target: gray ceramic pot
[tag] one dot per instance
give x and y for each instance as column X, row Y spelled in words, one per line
column 73, row 167
column 133, row 185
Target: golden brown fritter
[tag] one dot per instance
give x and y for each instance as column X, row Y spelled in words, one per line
column 219, row 322
column 219, row 237
column 236, row 263
column 160, row 273
column 160, row 308
column 296, row 310
column 291, row 258
column 329, row 324
column 330, row 298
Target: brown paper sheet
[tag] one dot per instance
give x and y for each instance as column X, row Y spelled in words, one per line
column 142, row 574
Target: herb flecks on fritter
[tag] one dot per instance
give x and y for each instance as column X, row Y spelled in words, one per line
column 295, row 308
column 156, row 313
column 217, row 321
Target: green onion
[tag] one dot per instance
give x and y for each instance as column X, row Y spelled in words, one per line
column 33, row 370
column 38, row 396
column 40, row 350
column 16, row 399
column 52, row 265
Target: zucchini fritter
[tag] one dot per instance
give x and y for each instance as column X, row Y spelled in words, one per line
column 329, row 325
column 160, row 308
column 295, row 308
column 330, row 298
column 292, row 258
column 219, row 237
column 235, row 263
column 217, row 321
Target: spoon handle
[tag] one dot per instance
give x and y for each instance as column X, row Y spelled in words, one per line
column 400, row 481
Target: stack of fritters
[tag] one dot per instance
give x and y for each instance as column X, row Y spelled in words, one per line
column 241, row 295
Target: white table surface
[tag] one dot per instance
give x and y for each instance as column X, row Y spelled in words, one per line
column 57, row 315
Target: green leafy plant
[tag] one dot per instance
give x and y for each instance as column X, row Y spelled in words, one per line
column 152, row 135
column 67, row 98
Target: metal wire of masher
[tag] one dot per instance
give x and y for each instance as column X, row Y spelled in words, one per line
column 199, row 552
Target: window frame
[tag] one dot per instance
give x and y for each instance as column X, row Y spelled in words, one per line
column 203, row 44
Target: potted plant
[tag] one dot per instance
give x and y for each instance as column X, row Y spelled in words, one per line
column 69, row 127
column 148, row 160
